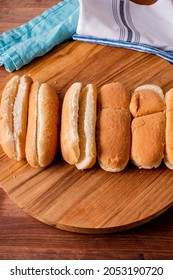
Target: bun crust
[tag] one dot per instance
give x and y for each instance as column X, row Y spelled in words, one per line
column 148, row 140
column 21, row 116
column 168, row 159
column 114, row 96
column 31, row 136
column 114, row 134
column 48, row 124
column 43, row 124
column 114, row 139
column 69, row 137
column 13, row 124
column 147, row 99
column 148, row 126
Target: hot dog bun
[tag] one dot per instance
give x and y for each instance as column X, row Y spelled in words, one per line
column 69, row 137
column 168, row 159
column 14, row 109
column 78, row 123
column 148, row 126
column 114, row 119
column 43, row 121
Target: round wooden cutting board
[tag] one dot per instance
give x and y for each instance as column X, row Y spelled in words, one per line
column 91, row 201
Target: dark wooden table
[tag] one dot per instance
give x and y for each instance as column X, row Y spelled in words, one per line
column 23, row 237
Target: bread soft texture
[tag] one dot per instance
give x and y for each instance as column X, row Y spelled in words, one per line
column 87, row 127
column 13, row 124
column 114, row 133
column 20, row 114
column 78, row 125
column 147, row 99
column 43, row 124
column 69, row 137
column 148, row 126
column 168, row 159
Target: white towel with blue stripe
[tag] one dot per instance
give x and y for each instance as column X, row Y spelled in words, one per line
column 122, row 23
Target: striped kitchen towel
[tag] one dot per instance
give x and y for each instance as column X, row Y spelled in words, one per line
column 122, row 23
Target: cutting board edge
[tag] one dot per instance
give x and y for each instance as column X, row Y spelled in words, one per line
column 87, row 230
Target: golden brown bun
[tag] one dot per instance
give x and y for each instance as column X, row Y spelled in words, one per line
column 69, row 137
column 148, row 126
column 13, row 124
column 115, row 96
column 114, row 120
column 43, row 122
column 148, row 140
column 87, row 127
column 113, row 139
column 31, row 136
column 147, row 99
column 168, row 159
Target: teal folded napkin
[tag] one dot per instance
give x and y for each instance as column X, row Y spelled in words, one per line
column 38, row 36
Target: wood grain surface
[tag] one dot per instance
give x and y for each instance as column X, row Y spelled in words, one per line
column 92, row 201
column 22, row 237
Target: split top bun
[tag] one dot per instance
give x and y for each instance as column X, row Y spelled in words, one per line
column 78, row 122
column 148, row 126
column 114, row 133
column 14, row 111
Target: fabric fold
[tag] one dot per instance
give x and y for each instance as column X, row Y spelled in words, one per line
column 124, row 24
column 38, row 36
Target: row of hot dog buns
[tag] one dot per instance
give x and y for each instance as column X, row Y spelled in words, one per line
column 111, row 125
column 29, row 121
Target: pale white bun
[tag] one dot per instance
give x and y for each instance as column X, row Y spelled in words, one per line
column 43, row 124
column 69, row 138
column 87, row 127
column 20, row 114
column 13, row 124
column 147, row 99
column 114, row 127
column 168, row 159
